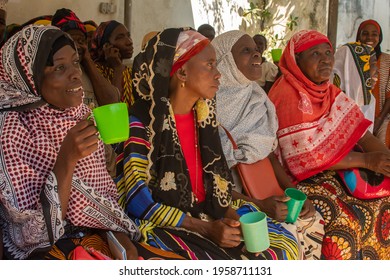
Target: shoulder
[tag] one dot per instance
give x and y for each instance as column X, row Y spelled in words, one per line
column 12, row 128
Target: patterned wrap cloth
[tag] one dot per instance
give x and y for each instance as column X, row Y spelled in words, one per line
column 30, row 212
column 352, row 75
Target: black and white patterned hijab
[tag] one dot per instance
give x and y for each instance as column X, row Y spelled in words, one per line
column 23, row 54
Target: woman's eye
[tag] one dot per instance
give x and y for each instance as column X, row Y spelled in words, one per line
column 59, row 68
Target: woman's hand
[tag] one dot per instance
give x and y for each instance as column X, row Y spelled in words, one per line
column 275, row 207
column 80, row 141
column 112, row 56
column 225, row 232
column 308, row 210
column 124, row 239
column 378, row 162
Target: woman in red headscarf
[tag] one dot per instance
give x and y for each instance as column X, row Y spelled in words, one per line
column 319, row 126
column 370, row 33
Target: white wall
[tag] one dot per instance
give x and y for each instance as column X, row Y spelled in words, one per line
column 155, row 15
column 20, row 11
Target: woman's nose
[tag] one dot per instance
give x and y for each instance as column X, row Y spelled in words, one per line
column 218, row 74
column 76, row 72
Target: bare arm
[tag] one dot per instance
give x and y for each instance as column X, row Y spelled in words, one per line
column 281, row 175
column 131, row 250
column 376, row 156
column 224, row 232
column 382, row 116
column 105, row 92
column 114, row 61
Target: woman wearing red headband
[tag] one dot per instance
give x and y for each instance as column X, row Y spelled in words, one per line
column 370, row 33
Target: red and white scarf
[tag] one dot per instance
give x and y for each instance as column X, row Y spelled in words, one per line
column 318, row 124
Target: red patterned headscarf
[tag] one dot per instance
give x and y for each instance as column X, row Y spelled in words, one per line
column 308, row 38
column 66, row 20
column 189, row 44
column 318, row 124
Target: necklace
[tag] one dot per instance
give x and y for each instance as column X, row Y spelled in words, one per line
column 196, row 158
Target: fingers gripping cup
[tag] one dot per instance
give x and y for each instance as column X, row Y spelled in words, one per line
column 112, row 121
column 295, row 204
column 255, row 230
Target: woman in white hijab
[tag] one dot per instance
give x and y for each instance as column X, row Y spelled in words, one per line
column 244, row 109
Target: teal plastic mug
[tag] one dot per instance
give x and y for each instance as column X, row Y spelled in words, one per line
column 255, row 231
column 112, row 121
column 295, row 204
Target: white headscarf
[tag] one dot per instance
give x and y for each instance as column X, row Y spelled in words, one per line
column 243, row 107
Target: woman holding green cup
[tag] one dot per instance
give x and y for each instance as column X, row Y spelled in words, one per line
column 294, row 204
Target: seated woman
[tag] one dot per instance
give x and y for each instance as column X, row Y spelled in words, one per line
column 244, row 109
column 370, row 33
column 354, row 72
column 111, row 45
column 55, row 189
column 172, row 176
column 97, row 90
column 319, row 126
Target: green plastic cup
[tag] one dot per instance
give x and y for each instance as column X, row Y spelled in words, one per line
column 276, row 54
column 255, row 231
column 295, row 204
column 112, row 121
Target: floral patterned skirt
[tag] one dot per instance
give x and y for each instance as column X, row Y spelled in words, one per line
column 354, row 229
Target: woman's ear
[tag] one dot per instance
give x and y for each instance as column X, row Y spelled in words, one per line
column 181, row 74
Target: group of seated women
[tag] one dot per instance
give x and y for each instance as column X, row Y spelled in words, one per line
column 175, row 194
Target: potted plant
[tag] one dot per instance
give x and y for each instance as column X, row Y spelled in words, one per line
column 258, row 19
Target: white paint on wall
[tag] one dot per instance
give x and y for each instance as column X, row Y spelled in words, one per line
column 156, row 15
column 21, row 11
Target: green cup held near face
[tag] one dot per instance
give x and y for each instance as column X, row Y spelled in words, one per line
column 112, row 121
column 255, row 230
column 295, row 204
column 276, row 54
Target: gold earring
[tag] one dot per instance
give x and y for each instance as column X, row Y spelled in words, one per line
column 183, row 84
